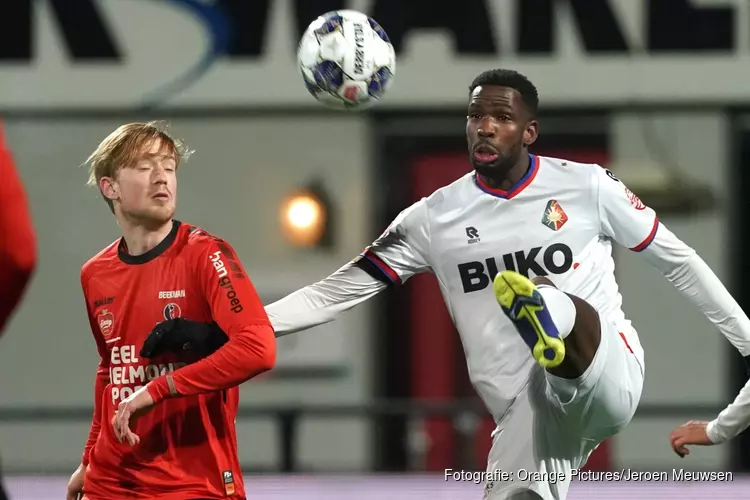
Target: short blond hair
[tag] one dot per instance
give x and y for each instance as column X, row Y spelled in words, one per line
column 124, row 147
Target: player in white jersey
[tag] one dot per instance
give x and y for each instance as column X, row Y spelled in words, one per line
column 520, row 216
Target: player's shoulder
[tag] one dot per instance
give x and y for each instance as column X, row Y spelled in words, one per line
column 451, row 193
column 570, row 167
column 574, row 176
column 102, row 260
column 197, row 240
column 447, row 198
column 196, row 237
column 419, row 212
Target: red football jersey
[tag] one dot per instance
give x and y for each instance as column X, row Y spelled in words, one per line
column 188, row 446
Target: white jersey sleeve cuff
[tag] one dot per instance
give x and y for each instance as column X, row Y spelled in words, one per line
column 713, row 432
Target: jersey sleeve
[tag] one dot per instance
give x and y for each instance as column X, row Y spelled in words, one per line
column 324, row 300
column 623, row 216
column 237, row 309
column 734, row 419
column 100, row 383
column 628, row 221
column 402, row 250
column 18, row 242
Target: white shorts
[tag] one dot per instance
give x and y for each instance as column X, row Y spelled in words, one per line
column 554, row 424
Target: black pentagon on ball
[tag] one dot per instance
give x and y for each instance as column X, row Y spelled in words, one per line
column 378, row 29
column 333, row 22
column 328, row 75
column 378, row 82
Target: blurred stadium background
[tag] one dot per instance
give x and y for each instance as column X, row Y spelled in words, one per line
column 377, row 404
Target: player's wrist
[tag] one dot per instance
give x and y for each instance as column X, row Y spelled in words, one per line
column 161, row 388
column 714, row 432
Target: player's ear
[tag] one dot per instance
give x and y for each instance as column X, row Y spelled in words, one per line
column 108, row 187
column 530, row 133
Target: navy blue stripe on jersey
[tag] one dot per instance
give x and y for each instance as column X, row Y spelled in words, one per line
column 519, row 186
column 645, row 243
column 372, row 270
column 375, row 267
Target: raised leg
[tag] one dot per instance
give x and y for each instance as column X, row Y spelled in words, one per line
column 562, row 330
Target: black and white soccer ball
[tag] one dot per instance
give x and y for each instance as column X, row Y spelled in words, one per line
column 346, row 60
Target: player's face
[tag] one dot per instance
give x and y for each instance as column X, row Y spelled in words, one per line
column 147, row 190
column 498, row 128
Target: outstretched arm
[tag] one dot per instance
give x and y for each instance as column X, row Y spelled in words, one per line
column 399, row 253
column 323, row 301
column 692, row 276
column 634, row 225
column 626, row 219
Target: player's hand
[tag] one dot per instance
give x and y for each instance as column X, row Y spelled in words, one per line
column 75, row 485
column 181, row 336
column 693, row 432
column 129, row 410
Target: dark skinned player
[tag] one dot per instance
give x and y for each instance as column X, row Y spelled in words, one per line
column 533, row 235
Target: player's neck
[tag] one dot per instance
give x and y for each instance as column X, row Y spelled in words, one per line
column 506, row 179
column 140, row 239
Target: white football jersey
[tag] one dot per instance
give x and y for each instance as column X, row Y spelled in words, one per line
column 559, row 221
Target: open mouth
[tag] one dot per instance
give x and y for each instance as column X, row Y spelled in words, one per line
column 484, row 153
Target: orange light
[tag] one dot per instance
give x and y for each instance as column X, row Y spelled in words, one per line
column 303, row 219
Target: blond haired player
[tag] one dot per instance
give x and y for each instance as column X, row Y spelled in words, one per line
column 163, row 424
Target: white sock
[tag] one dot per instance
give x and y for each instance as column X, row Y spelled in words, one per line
column 561, row 308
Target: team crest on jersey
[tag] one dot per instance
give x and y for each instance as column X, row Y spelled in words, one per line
column 172, row 311
column 106, row 322
column 554, row 216
column 634, row 200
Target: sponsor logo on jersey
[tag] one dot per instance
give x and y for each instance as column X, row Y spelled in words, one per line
column 554, row 216
column 128, row 373
column 172, row 294
column 611, row 175
column 103, row 302
column 539, row 261
column 472, row 234
column 172, row 311
column 106, row 321
column 634, row 200
column 222, row 271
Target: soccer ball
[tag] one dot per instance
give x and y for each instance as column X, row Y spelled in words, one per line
column 346, row 60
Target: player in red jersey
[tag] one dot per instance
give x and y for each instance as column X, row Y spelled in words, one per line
column 163, row 428
column 17, row 241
